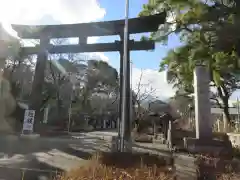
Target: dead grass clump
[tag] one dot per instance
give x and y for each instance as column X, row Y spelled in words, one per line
column 218, row 168
column 127, row 166
column 231, row 176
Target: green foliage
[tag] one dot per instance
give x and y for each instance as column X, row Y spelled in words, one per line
column 209, row 32
column 99, row 77
column 102, row 73
column 144, row 38
column 185, row 16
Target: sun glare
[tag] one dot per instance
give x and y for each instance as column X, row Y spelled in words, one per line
column 8, row 28
column 6, row 25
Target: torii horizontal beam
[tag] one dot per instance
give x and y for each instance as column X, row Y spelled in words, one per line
column 99, row 47
column 105, row 28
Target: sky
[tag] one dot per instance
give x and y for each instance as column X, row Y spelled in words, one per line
column 78, row 11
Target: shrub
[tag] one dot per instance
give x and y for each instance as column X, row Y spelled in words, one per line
column 218, row 168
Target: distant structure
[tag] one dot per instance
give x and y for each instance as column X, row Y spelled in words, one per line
column 218, row 113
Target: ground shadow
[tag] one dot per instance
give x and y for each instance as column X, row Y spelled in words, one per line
column 127, row 160
column 148, row 148
column 34, row 158
column 33, row 170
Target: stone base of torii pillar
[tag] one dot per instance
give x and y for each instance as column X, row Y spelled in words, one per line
column 204, row 141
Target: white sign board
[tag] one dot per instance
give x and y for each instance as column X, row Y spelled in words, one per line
column 28, row 120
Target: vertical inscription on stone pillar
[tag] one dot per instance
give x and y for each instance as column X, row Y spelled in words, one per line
column 202, row 102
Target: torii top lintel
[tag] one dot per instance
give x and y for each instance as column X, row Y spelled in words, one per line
column 105, row 28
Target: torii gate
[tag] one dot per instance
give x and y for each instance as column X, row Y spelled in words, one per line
column 82, row 31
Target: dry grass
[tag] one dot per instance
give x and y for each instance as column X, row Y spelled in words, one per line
column 232, row 176
column 128, row 166
column 114, row 166
column 218, row 168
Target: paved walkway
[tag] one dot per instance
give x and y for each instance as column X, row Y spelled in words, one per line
column 43, row 157
column 107, row 136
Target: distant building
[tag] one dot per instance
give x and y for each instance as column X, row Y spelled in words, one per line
column 232, row 111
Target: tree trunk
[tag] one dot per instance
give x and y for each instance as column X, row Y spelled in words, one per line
column 224, row 95
column 138, row 110
column 226, row 117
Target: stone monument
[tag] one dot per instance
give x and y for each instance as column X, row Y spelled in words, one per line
column 9, row 45
column 186, row 166
column 7, row 106
column 204, row 141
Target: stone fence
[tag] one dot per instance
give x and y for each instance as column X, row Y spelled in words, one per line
column 179, row 134
column 233, row 137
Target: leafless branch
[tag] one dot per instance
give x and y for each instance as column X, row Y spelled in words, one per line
column 143, row 92
column 217, row 101
column 139, row 83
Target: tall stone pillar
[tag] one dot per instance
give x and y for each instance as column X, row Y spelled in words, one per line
column 204, row 141
column 202, row 103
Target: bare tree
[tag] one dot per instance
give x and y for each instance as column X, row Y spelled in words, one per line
column 142, row 92
column 60, row 68
column 19, row 72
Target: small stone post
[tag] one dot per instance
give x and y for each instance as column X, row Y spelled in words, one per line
column 154, row 129
column 104, row 124
column 45, row 116
column 169, row 137
column 225, row 124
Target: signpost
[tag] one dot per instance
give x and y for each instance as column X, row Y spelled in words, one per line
column 28, row 121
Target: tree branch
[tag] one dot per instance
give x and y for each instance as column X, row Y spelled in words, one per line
column 217, row 101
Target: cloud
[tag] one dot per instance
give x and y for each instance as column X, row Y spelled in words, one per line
column 101, row 56
column 63, row 11
column 94, row 56
column 152, row 79
column 92, row 40
column 46, row 12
